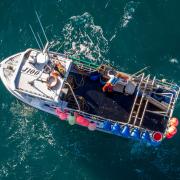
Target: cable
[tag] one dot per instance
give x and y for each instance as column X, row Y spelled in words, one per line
column 74, row 83
column 73, row 95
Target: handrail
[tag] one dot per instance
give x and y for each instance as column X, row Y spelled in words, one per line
column 90, row 64
column 137, row 93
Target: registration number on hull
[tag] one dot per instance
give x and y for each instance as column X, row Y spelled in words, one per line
column 30, row 71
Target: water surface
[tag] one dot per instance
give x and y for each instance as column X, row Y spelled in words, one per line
column 129, row 34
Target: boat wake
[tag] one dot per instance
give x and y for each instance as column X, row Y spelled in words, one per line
column 128, row 13
column 81, row 37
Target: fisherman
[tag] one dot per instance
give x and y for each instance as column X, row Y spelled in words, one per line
column 114, row 79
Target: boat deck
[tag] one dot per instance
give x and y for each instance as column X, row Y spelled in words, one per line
column 115, row 106
column 30, row 73
column 31, row 77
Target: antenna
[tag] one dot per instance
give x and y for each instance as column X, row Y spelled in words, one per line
column 41, row 26
column 35, row 37
column 40, row 39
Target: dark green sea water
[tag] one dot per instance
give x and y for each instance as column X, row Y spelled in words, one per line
column 130, row 34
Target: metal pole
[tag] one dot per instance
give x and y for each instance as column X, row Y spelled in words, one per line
column 35, row 37
column 41, row 26
column 40, row 39
column 73, row 95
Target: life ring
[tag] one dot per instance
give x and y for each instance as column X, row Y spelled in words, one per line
column 52, row 81
column 157, row 136
column 54, row 73
column 60, row 67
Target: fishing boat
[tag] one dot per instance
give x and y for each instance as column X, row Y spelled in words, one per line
column 95, row 96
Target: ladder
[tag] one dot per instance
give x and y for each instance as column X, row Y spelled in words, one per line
column 135, row 104
column 146, row 103
column 138, row 109
column 139, row 105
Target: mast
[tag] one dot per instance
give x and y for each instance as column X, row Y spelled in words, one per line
column 35, row 37
column 40, row 39
column 42, row 27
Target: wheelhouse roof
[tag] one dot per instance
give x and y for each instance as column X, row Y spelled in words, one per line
column 32, row 79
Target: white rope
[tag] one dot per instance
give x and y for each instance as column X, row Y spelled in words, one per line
column 73, row 95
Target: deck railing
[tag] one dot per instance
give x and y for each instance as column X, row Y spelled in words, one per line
column 101, row 119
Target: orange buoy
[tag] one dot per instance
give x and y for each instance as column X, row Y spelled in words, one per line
column 169, row 136
column 62, row 115
column 174, row 121
column 82, row 121
column 172, row 130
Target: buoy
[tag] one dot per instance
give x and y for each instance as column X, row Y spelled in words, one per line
column 157, row 136
column 92, row 126
column 62, row 115
column 172, row 130
column 107, row 125
column 58, row 110
column 126, row 131
column 169, row 136
column 174, row 121
column 145, row 136
column 71, row 119
column 135, row 133
column 82, row 121
column 116, row 128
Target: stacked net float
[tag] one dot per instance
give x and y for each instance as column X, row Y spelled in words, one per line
column 119, row 129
